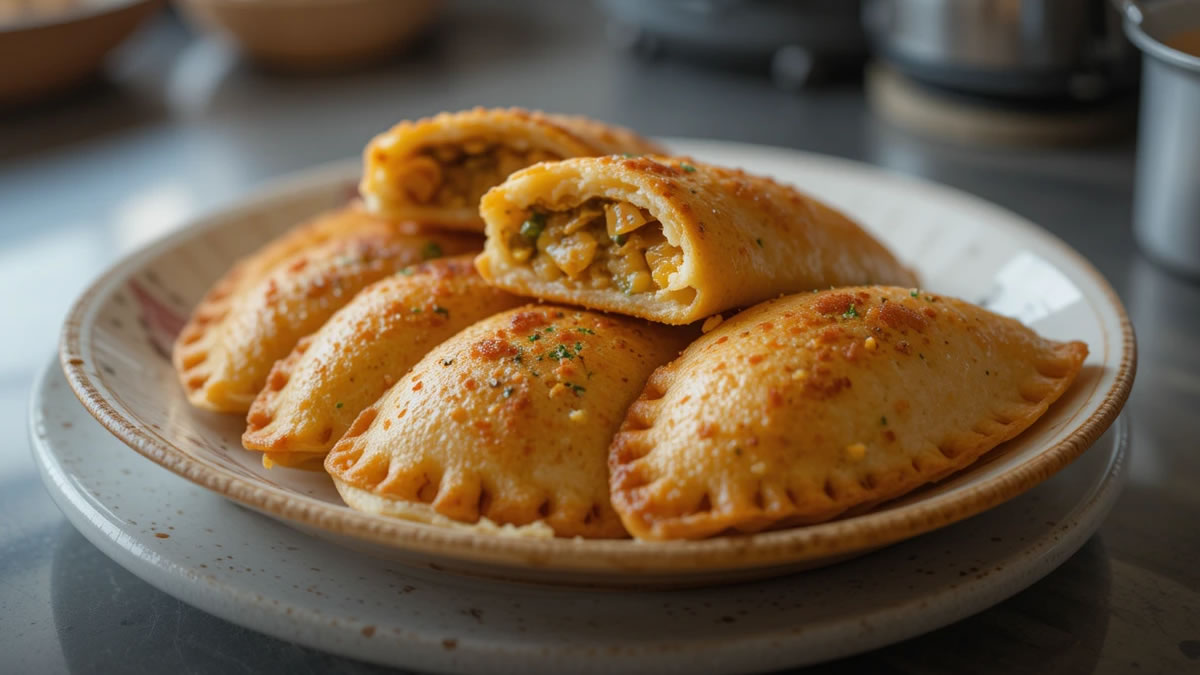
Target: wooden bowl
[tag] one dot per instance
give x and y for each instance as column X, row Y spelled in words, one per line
column 314, row 35
column 47, row 54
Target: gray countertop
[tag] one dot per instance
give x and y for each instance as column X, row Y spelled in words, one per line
column 182, row 126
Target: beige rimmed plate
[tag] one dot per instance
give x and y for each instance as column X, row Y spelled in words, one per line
column 117, row 338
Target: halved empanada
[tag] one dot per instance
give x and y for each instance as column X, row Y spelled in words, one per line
column 667, row 239
column 435, row 170
column 809, row 406
column 314, row 394
column 243, row 326
column 510, row 420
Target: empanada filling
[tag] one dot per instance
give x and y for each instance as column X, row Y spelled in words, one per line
column 601, row 244
column 455, row 175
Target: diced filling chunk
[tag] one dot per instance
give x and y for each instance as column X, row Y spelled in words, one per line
column 600, row 244
column 458, row 174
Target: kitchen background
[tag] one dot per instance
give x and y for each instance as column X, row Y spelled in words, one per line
column 180, row 121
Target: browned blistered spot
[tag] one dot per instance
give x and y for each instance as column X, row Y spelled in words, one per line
column 774, row 398
column 755, row 359
column 723, row 338
column 387, row 424
column 368, row 631
column 491, row 348
column 889, row 436
column 706, row 430
column 418, row 386
column 833, row 303
column 766, row 326
column 929, row 312
column 895, row 315
column 902, row 347
column 523, row 322
column 470, row 384
column 819, row 387
column 831, row 334
column 162, row 535
column 901, row 406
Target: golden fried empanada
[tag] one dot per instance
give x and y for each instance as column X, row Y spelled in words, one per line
column 314, row 394
column 810, row 406
column 667, row 239
column 435, row 170
column 510, row 420
column 243, row 326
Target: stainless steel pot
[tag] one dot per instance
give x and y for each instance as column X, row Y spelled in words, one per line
column 1015, row 48
column 1166, row 204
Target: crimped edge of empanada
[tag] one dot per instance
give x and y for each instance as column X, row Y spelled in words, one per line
column 1054, row 378
column 366, row 501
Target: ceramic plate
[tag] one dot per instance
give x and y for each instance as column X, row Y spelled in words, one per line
column 117, row 340
column 255, row 572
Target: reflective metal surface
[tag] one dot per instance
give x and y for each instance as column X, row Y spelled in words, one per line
column 1020, row 48
column 1166, row 205
column 182, row 126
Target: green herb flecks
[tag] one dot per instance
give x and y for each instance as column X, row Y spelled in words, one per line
column 578, row 347
column 883, row 421
column 431, row 250
column 586, row 331
column 688, row 168
column 535, row 337
column 438, row 309
column 561, row 352
column 914, row 292
column 577, row 389
column 851, row 313
column 759, row 242
column 619, row 239
column 533, row 226
column 338, row 405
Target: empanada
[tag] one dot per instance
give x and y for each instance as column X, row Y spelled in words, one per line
column 245, row 324
column 313, row 395
column 435, row 170
column 814, row 405
column 510, row 420
column 667, row 239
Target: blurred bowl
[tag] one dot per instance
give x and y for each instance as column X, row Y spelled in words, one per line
column 314, row 35
column 47, row 53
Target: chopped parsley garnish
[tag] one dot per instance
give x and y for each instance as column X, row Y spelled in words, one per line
column 883, row 421
column 508, row 392
column 438, row 309
column 578, row 347
column 535, row 337
column 759, row 242
column 627, row 155
column 561, row 352
column 520, row 353
column 851, row 313
column 688, row 168
column 338, row 405
column 533, row 226
column 416, row 310
column 619, row 239
column 577, row 389
column 586, row 331
column 407, row 271
column 914, row 292
column 431, row 249
column 549, row 329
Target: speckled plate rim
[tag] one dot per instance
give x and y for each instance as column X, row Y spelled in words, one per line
column 764, row 550
column 785, row 645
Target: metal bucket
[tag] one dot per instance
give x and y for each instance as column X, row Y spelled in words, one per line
column 1166, row 205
